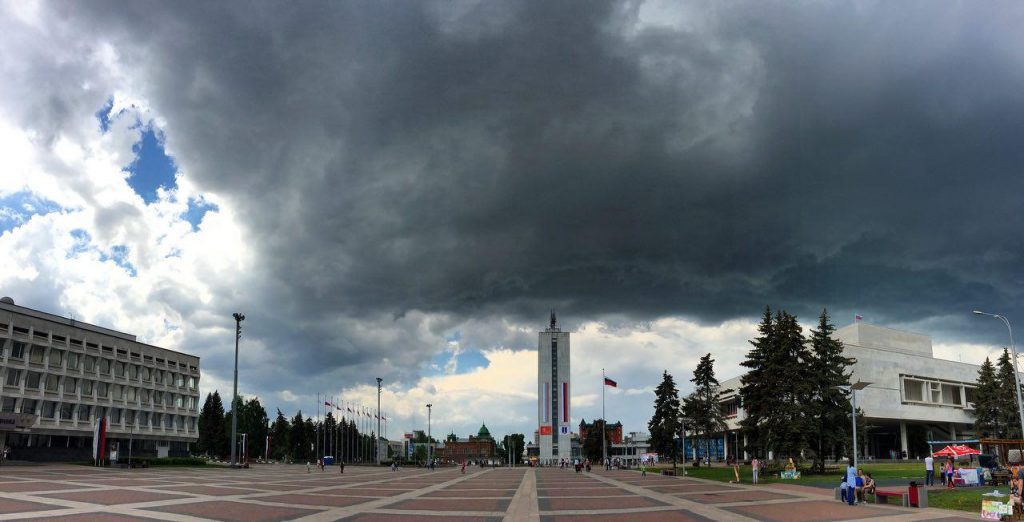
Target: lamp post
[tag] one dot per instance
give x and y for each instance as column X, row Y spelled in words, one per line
column 682, row 442
column 430, row 452
column 234, row 397
column 859, row 385
column 1016, row 372
column 379, row 381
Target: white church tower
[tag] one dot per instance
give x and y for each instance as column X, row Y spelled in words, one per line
column 553, row 394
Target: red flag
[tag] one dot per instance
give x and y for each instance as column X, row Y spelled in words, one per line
column 609, row 382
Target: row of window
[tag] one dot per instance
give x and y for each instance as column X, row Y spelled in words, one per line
column 88, row 413
column 96, row 389
column 944, row 393
column 74, row 361
column 60, row 339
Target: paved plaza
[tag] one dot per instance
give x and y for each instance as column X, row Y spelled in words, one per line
column 283, row 492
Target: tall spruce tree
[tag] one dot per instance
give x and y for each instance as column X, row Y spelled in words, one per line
column 987, row 420
column 280, row 446
column 298, row 440
column 1007, row 400
column 212, row 440
column 702, row 407
column 829, row 407
column 788, row 423
column 757, row 387
column 664, row 425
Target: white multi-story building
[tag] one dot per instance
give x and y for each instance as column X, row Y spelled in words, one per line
column 912, row 397
column 61, row 375
column 553, row 395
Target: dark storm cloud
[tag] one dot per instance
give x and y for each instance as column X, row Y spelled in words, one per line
column 498, row 159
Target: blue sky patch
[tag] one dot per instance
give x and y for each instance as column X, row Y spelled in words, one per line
column 119, row 255
column 468, row 360
column 152, row 167
column 197, row 208
column 17, row 208
column 104, row 114
column 82, row 240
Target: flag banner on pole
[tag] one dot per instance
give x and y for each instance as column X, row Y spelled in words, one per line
column 858, row 318
column 328, row 403
column 609, row 382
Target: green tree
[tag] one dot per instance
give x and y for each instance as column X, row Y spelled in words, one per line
column 828, row 409
column 777, row 388
column 664, row 424
column 592, row 447
column 419, row 454
column 702, row 407
column 298, row 440
column 512, row 445
column 757, row 386
column 987, row 420
column 1007, row 398
column 280, row 443
column 212, row 439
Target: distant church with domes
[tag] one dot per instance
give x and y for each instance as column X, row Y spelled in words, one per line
column 475, row 449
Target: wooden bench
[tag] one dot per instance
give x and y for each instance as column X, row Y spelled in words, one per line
column 882, row 496
column 831, row 469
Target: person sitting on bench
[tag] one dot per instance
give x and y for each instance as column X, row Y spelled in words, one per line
column 869, row 486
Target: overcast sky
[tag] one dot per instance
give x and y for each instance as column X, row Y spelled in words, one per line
column 405, row 189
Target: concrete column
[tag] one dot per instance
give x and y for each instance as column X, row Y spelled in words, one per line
column 725, row 444
column 745, row 455
column 952, row 431
column 903, row 438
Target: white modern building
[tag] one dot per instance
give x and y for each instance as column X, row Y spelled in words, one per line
column 553, row 395
column 61, row 375
column 912, row 397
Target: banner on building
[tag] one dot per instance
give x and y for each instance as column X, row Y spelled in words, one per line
column 545, row 430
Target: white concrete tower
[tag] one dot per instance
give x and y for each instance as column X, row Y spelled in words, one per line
column 553, row 394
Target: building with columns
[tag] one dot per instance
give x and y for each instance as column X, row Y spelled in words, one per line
column 553, row 395
column 913, row 397
column 60, row 376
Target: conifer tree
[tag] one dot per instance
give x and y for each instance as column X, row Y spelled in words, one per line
column 756, row 389
column 829, row 406
column 664, row 425
column 280, row 446
column 1007, row 399
column 702, row 407
column 298, row 439
column 212, row 440
column 987, row 420
column 787, row 427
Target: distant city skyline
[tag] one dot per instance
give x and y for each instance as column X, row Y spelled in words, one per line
column 404, row 190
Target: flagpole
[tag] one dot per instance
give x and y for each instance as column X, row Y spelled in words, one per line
column 604, row 423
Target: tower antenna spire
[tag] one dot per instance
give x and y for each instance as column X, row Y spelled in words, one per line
column 554, row 320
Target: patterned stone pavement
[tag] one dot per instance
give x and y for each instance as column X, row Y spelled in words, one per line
column 282, row 492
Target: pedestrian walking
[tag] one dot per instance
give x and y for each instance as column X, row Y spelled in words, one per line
column 929, row 471
column 341, row 466
column 755, row 466
column 643, row 468
column 463, row 467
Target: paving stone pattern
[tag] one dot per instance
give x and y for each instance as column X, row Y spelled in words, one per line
column 289, row 492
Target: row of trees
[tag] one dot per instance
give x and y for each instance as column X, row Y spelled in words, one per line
column 294, row 439
column 995, row 401
column 792, row 394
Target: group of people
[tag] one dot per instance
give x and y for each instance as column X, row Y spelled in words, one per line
column 855, row 485
column 577, row 464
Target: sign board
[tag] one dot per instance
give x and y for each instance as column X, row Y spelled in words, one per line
column 545, row 430
column 411, row 447
column 994, row 510
column 16, row 421
column 789, row 475
column 565, row 430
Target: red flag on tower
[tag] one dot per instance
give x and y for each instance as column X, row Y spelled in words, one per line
column 609, row 382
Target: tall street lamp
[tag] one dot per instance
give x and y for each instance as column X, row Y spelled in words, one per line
column 1016, row 372
column 379, row 380
column 430, row 452
column 234, row 398
column 859, row 385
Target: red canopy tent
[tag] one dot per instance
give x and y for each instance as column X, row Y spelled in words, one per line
column 956, row 450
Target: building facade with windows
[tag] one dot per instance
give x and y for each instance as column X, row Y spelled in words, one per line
column 913, row 397
column 61, row 375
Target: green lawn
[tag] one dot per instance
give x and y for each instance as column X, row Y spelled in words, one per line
column 963, row 499
column 883, row 473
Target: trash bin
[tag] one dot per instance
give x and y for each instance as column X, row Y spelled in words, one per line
column 913, row 497
column 328, row 461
